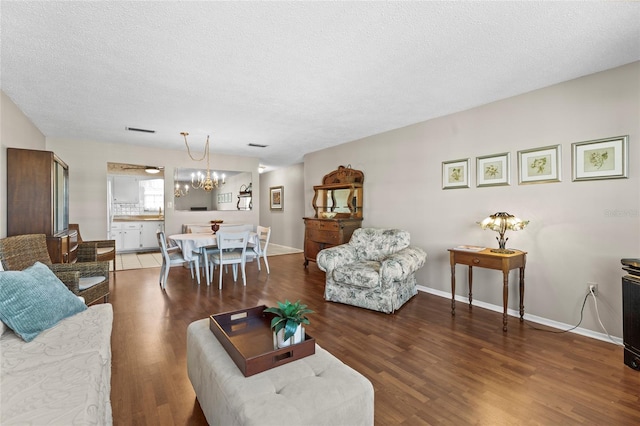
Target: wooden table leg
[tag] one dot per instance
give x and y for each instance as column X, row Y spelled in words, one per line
column 470, row 285
column 453, row 287
column 505, row 297
column 522, row 293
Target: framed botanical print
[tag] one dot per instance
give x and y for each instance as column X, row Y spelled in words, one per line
column 493, row 170
column 600, row 159
column 276, row 197
column 455, row 174
column 539, row 165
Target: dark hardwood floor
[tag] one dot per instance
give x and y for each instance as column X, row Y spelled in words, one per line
column 426, row 367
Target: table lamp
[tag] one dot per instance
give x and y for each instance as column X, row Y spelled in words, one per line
column 501, row 222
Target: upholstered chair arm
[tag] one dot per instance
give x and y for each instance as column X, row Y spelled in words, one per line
column 87, row 252
column 86, row 269
column 70, row 279
column 105, row 243
column 330, row 258
column 398, row 266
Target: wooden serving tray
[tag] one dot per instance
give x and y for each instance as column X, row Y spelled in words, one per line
column 247, row 337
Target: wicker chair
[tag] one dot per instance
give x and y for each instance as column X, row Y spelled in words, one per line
column 95, row 250
column 21, row 251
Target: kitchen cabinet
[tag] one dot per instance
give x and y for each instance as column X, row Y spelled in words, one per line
column 128, row 235
column 126, row 190
column 149, row 231
column 38, row 200
column 136, row 236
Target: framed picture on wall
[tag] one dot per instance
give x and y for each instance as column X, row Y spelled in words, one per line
column 276, row 197
column 455, row 174
column 493, row 170
column 539, row 165
column 600, row 159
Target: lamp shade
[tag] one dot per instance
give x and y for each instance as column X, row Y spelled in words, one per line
column 501, row 222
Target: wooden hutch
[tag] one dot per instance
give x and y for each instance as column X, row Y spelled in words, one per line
column 38, row 200
column 338, row 206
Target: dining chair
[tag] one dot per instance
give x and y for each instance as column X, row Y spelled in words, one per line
column 232, row 248
column 95, row 250
column 172, row 256
column 260, row 249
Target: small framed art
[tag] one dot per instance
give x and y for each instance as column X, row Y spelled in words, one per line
column 539, row 165
column 276, row 197
column 600, row 159
column 455, row 174
column 493, row 170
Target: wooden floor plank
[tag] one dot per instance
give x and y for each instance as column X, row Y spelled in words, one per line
column 427, row 367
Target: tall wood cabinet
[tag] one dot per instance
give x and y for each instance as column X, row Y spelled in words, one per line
column 338, row 205
column 38, row 200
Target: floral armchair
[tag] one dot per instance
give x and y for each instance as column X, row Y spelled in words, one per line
column 374, row 270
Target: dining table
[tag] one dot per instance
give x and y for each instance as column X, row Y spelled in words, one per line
column 194, row 246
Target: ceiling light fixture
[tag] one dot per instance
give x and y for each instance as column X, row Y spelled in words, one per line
column 202, row 181
column 152, row 170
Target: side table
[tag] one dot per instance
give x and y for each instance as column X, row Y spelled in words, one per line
column 488, row 259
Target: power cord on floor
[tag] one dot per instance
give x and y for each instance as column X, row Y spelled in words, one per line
column 595, row 302
column 584, row 302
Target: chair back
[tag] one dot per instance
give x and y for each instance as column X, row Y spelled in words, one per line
column 162, row 243
column 21, row 251
column 199, row 229
column 232, row 245
column 264, row 234
column 376, row 244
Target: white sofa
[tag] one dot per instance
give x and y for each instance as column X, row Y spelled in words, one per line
column 62, row 376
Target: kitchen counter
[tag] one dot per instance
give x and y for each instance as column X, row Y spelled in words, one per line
column 137, row 218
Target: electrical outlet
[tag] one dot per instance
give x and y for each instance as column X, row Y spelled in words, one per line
column 592, row 287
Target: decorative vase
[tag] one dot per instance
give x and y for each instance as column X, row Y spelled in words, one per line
column 215, row 227
column 298, row 337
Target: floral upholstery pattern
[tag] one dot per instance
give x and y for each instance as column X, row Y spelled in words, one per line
column 374, row 270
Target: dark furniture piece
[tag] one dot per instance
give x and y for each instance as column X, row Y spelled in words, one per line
column 488, row 259
column 338, row 208
column 631, row 312
column 320, row 234
column 38, row 200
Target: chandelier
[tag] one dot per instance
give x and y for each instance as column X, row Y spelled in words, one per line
column 200, row 180
column 178, row 192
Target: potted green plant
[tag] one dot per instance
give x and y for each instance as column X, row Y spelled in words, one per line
column 287, row 322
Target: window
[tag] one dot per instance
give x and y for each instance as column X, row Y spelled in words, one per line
column 152, row 194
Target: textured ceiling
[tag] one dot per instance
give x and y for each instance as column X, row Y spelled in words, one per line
column 296, row 76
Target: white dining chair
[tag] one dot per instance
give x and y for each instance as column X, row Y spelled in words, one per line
column 171, row 256
column 232, row 247
column 260, row 249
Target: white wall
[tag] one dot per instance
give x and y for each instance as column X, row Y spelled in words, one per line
column 287, row 226
column 579, row 231
column 87, row 162
column 16, row 131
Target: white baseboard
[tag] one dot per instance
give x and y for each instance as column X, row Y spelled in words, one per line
column 532, row 318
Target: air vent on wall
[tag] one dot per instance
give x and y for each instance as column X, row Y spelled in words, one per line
column 257, row 145
column 136, row 129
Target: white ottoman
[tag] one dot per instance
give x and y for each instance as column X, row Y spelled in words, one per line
column 315, row 390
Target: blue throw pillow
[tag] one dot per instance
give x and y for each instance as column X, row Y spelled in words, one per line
column 34, row 300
